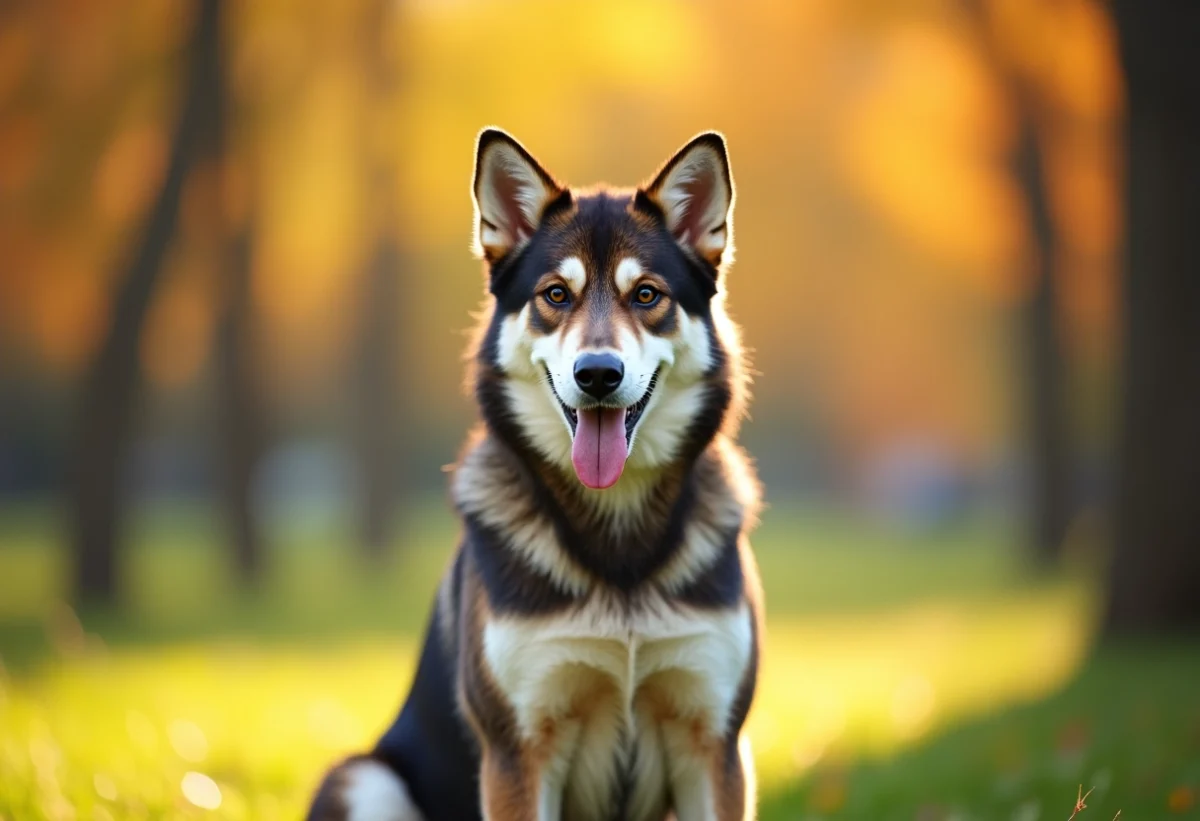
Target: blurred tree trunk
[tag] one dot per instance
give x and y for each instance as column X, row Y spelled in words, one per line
column 240, row 413
column 240, row 418
column 1155, row 581
column 378, row 411
column 111, row 384
column 1049, row 498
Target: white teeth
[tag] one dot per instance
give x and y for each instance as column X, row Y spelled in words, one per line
column 632, row 413
column 571, row 414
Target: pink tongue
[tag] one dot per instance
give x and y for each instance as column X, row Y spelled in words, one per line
column 598, row 451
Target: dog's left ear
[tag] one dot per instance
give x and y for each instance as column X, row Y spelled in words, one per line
column 511, row 192
column 694, row 190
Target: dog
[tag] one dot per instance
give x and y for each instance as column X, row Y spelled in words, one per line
column 594, row 646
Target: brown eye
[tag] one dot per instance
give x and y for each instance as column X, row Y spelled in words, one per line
column 556, row 295
column 646, row 296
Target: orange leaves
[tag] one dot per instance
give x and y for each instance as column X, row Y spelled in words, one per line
column 870, row 144
column 22, row 140
column 1066, row 49
column 64, row 306
column 129, row 173
column 922, row 144
column 563, row 77
column 179, row 328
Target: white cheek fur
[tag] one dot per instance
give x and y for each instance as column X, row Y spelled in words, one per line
column 557, row 353
column 512, row 344
column 524, row 358
column 679, row 396
column 540, row 418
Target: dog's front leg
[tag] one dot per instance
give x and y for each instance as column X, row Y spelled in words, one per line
column 507, row 789
column 712, row 779
column 526, row 783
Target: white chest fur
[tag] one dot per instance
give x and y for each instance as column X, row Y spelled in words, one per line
column 593, row 688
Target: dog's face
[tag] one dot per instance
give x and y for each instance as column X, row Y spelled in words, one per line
column 603, row 348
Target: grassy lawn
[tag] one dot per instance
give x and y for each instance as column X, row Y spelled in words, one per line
column 906, row 676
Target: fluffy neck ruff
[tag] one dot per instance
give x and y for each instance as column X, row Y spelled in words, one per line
column 685, row 517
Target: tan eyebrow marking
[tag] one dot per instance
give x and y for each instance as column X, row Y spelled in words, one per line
column 628, row 271
column 573, row 273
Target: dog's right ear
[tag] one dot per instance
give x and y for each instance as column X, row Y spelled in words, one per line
column 511, row 191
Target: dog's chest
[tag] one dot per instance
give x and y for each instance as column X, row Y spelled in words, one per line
column 590, row 688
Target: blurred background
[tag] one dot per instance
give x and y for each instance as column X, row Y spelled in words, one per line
column 234, row 290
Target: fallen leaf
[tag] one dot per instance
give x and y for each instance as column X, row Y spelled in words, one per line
column 1181, row 799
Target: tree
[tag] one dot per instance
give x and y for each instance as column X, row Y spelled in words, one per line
column 1048, row 502
column 1049, row 498
column 112, row 382
column 377, row 406
column 240, row 417
column 240, row 411
column 1155, row 581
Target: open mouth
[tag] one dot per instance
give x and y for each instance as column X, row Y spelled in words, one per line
column 600, row 436
column 633, row 413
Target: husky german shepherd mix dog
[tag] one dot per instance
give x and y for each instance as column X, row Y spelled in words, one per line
column 594, row 647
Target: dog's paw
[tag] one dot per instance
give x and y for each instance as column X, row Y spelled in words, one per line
column 363, row 789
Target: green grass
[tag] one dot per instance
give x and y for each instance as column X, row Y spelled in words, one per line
column 905, row 676
column 1127, row 727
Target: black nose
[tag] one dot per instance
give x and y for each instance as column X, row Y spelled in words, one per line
column 599, row 374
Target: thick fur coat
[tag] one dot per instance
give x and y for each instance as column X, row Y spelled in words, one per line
column 594, row 645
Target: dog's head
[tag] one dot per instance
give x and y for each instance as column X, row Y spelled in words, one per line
column 607, row 350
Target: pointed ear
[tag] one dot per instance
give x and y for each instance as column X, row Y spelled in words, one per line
column 510, row 191
column 695, row 192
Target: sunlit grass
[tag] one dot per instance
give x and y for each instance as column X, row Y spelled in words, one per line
column 202, row 702
column 259, row 722
column 837, row 687
column 262, row 722
column 1127, row 727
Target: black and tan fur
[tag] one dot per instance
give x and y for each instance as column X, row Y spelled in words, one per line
column 592, row 653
